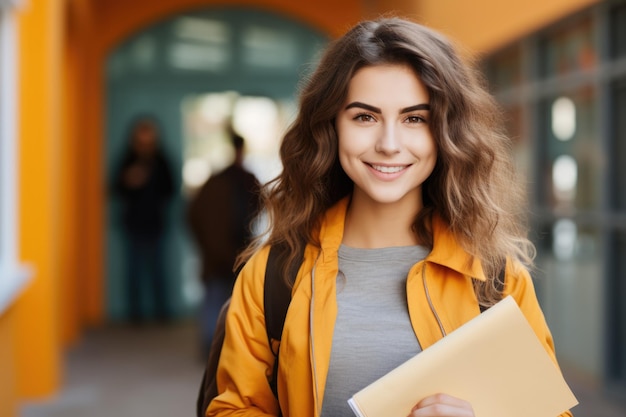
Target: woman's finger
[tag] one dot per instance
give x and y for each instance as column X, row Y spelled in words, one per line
column 442, row 405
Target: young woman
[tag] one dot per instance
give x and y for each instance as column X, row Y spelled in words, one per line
column 398, row 188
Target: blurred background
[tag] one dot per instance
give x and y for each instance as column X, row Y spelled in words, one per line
column 74, row 73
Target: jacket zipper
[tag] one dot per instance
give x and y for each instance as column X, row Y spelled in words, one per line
column 430, row 302
column 315, row 388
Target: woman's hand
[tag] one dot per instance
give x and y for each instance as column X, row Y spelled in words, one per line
column 442, row 405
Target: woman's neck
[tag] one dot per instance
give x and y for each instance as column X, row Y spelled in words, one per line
column 375, row 225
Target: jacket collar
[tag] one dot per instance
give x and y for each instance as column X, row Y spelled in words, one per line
column 446, row 249
column 448, row 252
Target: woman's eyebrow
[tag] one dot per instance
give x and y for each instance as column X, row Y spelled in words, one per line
column 421, row 106
column 363, row 106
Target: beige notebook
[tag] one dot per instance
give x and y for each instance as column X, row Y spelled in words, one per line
column 495, row 361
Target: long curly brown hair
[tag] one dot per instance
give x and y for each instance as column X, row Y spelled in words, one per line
column 473, row 185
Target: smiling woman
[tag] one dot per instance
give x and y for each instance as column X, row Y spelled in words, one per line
column 397, row 205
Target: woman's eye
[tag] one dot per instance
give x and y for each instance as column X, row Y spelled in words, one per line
column 363, row 117
column 416, row 119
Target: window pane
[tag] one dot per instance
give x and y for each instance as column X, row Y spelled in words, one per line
column 617, row 316
column 618, row 194
column 201, row 44
column 268, row 48
column 570, row 286
column 3, row 139
column 618, row 31
column 569, row 49
column 514, row 124
column 504, row 69
column 572, row 160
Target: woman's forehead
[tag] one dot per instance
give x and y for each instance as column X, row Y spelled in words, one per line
column 393, row 84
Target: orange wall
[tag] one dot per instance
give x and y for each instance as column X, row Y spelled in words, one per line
column 485, row 25
column 404, row 8
column 37, row 341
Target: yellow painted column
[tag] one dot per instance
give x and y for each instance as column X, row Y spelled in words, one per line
column 38, row 348
column 92, row 187
column 8, row 392
column 71, row 249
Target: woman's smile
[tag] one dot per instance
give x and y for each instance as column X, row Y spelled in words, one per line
column 387, row 169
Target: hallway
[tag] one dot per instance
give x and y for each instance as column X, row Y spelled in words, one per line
column 125, row 371
column 155, row 371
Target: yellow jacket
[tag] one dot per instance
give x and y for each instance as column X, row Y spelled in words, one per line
column 246, row 360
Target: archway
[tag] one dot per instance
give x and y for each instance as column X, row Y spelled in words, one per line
column 249, row 52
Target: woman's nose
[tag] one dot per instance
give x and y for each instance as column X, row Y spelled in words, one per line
column 388, row 140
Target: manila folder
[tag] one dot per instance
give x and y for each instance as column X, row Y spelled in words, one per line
column 495, row 361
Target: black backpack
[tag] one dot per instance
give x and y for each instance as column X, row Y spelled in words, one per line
column 276, row 299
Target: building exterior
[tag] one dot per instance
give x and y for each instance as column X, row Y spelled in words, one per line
column 558, row 68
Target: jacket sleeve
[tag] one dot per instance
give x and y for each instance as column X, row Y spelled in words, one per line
column 519, row 284
column 246, row 360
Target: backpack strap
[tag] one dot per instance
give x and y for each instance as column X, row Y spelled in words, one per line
column 276, row 299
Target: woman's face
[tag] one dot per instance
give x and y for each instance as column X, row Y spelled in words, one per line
column 385, row 142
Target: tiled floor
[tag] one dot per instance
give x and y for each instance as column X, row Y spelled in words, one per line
column 155, row 372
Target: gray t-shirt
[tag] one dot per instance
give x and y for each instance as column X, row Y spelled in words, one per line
column 373, row 332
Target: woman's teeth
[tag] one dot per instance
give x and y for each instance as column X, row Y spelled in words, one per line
column 387, row 169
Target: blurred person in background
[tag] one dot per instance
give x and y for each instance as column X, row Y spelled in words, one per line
column 145, row 185
column 219, row 216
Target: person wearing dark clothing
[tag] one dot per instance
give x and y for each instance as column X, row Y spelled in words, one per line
column 145, row 185
column 219, row 217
